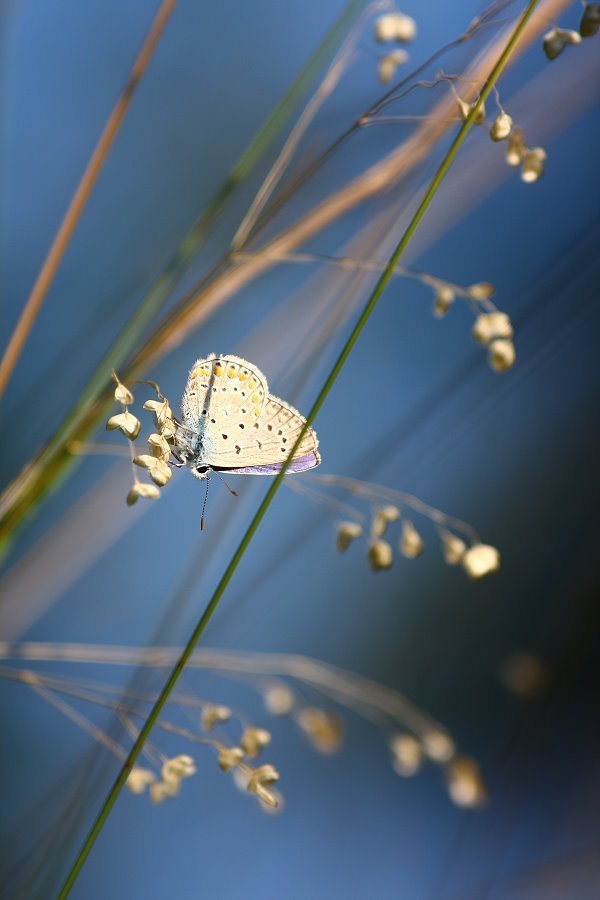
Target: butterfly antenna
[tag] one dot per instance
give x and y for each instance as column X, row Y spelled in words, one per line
column 204, row 504
column 229, row 488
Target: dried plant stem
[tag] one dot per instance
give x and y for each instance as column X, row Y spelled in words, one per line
column 258, row 516
column 81, row 195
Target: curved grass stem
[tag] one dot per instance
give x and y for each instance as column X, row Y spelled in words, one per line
column 258, row 516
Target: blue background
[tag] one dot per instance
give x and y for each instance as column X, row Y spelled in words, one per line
column 416, row 408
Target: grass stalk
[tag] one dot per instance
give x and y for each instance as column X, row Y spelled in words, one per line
column 264, row 505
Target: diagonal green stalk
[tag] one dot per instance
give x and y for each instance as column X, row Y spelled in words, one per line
column 54, row 460
column 258, row 516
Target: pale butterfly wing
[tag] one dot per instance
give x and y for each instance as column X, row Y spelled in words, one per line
column 231, row 422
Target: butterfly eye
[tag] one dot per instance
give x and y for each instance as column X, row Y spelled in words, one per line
column 202, row 470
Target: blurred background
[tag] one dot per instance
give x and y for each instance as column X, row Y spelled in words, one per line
column 417, row 408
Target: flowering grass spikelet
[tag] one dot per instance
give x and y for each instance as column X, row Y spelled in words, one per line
column 138, row 489
column 386, row 68
column 322, row 729
column 278, row 699
column 253, row 740
column 533, row 165
column 444, row 299
column 139, row 779
column 466, row 787
column 380, row 555
column 480, row 560
column 395, row 26
column 515, row 150
column 438, row 745
column 411, row 542
column 453, row 548
column 214, row 715
column 555, row 41
column 127, row 424
column 259, row 778
column 346, row 533
column 501, row 354
column 407, row 754
column 501, row 127
column 229, row 757
column 157, row 469
column 489, row 326
column 590, row 20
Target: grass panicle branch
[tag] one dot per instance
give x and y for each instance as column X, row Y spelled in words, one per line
column 262, row 509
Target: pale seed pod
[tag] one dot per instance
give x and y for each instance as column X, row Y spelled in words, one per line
column 411, row 543
column 278, row 699
column 123, row 395
column 380, row 555
column 501, row 355
column 501, row 127
column 159, row 447
column 391, row 512
column 480, row 560
column 395, row 27
column 253, row 740
column 229, row 758
column 407, row 754
column 214, row 715
column 464, row 110
column 465, row 784
column 323, row 730
column 380, row 523
column 158, row 470
column 489, row 326
column 515, row 150
column 178, row 767
column 555, row 41
column 533, row 165
column 127, row 423
column 161, row 412
column 139, row 779
column 453, row 548
column 346, row 533
column 142, row 490
column 444, row 298
column 159, row 791
column 590, row 20
column 438, row 746
column 388, row 64
column 260, row 777
column 482, row 290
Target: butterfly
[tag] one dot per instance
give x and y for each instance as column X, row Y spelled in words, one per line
column 230, row 423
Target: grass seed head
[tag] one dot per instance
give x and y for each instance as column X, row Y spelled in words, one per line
column 127, row 423
column 380, row 555
column 407, row 754
column 533, row 165
column 453, row 548
column 411, row 542
column 501, row 127
column 253, row 740
column 346, row 533
column 480, row 560
column 501, row 354
column 590, row 20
